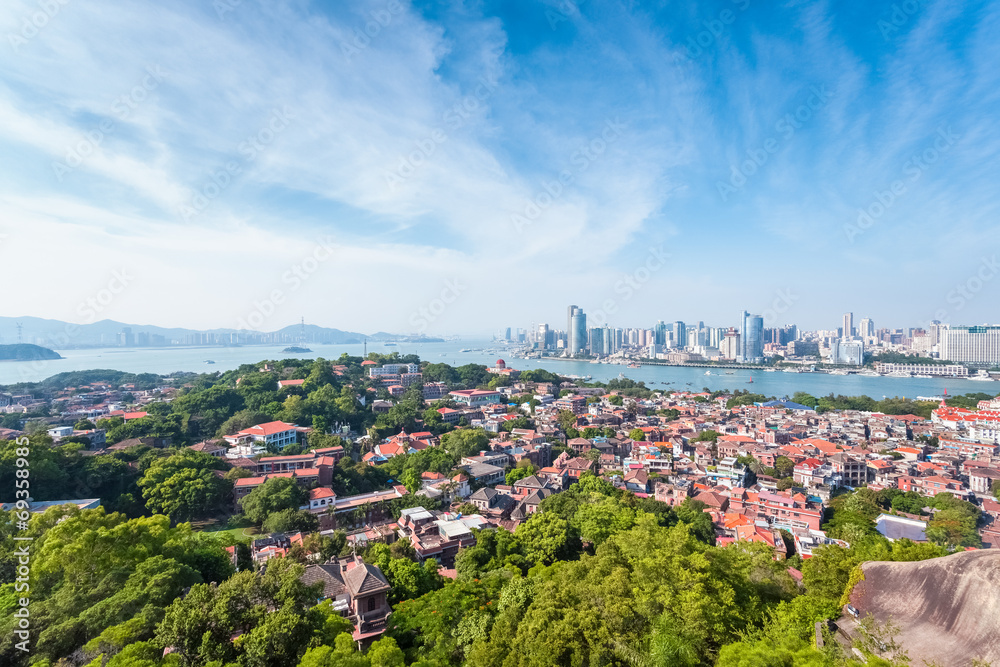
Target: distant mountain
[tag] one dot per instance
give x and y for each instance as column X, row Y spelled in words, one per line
column 26, row 352
column 62, row 335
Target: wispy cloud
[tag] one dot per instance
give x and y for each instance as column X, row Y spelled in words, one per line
column 418, row 134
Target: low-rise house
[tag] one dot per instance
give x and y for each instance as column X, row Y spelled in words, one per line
column 263, row 437
column 359, row 591
column 637, row 481
column 438, row 536
column 484, row 474
column 981, row 480
column 210, row 447
column 931, row 485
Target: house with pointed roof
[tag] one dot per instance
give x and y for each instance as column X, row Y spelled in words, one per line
column 359, row 591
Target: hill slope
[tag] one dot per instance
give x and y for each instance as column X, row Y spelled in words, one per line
column 948, row 609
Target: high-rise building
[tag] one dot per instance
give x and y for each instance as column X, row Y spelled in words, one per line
column 866, row 329
column 596, row 337
column 543, row 338
column 660, row 333
column 577, row 331
column 848, row 328
column 680, row 334
column 751, row 339
column 970, row 344
column 729, row 347
column 602, row 340
column 715, row 336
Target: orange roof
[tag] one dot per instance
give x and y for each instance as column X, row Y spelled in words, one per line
column 733, row 520
column 270, row 428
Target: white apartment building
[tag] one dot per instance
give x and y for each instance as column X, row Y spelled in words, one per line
column 971, row 344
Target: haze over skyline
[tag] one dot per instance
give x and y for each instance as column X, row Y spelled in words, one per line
column 299, row 166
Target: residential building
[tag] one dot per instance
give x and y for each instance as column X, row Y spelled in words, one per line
column 359, row 591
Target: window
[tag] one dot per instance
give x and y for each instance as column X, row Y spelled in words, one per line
column 371, row 604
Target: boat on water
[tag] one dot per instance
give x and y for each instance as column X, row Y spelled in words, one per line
column 708, row 372
column 770, row 370
column 924, row 377
column 839, row 371
column 730, row 373
column 750, row 381
column 982, row 376
column 899, row 374
column 209, row 361
column 869, row 374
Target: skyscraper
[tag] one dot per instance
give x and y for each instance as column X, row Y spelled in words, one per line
column 751, row 339
column 848, row 325
column 680, row 334
column 543, row 338
column 660, row 333
column 866, row 329
column 576, row 341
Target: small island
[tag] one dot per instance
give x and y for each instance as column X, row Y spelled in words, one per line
column 297, row 350
column 27, row 352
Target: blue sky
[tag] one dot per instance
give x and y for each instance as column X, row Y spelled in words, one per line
column 458, row 167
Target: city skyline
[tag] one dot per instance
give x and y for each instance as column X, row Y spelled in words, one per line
column 451, row 140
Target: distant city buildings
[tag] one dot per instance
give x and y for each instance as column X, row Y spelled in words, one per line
column 749, row 342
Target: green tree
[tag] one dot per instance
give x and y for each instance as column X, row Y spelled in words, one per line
column 547, row 537
column 385, row 653
column 274, row 495
column 637, row 434
column 566, row 419
column 411, row 480
column 784, row 466
column 184, row 486
column 519, row 472
column 290, row 520
column 465, row 442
